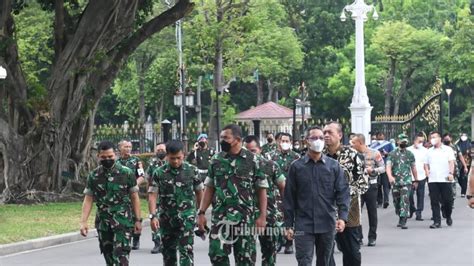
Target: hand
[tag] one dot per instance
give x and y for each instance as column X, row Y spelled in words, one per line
column 369, row 170
column 138, row 227
column 140, row 180
column 465, row 170
column 260, row 223
column 450, row 177
column 471, row 203
column 84, row 229
column 202, row 222
column 340, row 225
column 391, row 180
column 155, row 224
column 290, row 234
column 415, row 184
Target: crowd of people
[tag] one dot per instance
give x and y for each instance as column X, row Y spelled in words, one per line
column 293, row 196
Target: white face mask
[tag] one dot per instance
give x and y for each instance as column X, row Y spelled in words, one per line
column 317, row 145
column 419, row 145
column 285, row 146
column 463, row 138
column 434, row 142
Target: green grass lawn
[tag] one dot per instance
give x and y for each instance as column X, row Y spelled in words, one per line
column 23, row 222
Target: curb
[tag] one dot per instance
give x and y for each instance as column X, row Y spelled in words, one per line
column 49, row 241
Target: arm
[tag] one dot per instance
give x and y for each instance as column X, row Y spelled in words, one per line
column 205, row 202
column 86, row 211
column 199, row 196
column 379, row 164
column 342, row 191
column 262, row 201
column 289, row 198
column 391, row 179
column 451, row 170
column 281, row 188
column 136, row 210
column 463, row 162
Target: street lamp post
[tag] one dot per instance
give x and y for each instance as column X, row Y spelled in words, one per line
column 448, row 92
column 360, row 106
column 302, row 107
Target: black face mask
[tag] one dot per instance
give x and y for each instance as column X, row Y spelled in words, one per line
column 161, row 155
column 202, row 144
column 269, row 140
column 446, row 142
column 403, row 145
column 225, row 146
column 107, row 163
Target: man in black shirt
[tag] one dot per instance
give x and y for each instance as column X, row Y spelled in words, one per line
column 315, row 186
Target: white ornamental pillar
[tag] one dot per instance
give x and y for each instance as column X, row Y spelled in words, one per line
column 360, row 106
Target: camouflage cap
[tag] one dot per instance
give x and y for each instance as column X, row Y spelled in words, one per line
column 402, row 137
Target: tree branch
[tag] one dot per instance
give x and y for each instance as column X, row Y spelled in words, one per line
column 59, row 26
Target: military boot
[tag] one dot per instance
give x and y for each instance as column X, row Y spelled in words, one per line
column 136, row 243
column 403, row 225
column 157, row 248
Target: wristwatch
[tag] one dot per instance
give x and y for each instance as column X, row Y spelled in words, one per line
column 151, row 216
column 138, row 220
column 201, row 212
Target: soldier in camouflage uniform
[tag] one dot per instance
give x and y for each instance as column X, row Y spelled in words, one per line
column 271, row 145
column 179, row 187
column 284, row 156
column 235, row 185
column 155, row 163
column 276, row 182
column 134, row 163
column 201, row 155
column 353, row 165
column 400, row 167
column 114, row 189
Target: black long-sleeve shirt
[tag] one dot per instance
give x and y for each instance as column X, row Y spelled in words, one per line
column 312, row 192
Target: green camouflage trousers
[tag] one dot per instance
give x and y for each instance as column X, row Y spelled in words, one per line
column 177, row 236
column 268, row 245
column 401, row 200
column 220, row 247
column 115, row 245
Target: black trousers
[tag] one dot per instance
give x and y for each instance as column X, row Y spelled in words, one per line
column 306, row 243
column 348, row 241
column 384, row 189
column 441, row 196
column 420, row 198
column 370, row 201
column 462, row 180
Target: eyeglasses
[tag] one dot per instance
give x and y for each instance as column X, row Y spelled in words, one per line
column 316, row 138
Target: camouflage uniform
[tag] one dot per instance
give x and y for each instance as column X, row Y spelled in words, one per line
column 235, row 179
column 177, row 210
column 201, row 158
column 132, row 163
column 457, row 163
column 111, row 189
column 283, row 160
column 269, row 148
column 268, row 242
column 401, row 162
column 154, row 164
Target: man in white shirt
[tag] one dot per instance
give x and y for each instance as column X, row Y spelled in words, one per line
column 439, row 168
column 420, row 153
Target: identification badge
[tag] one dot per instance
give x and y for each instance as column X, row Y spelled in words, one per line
column 373, row 181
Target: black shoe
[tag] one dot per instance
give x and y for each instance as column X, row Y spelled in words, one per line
column 136, row 243
column 404, row 223
column 157, row 248
column 289, row 250
column 371, row 243
column 418, row 218
column 435, row 226
column 443, row 213
column 385, row 205
column 449, row 221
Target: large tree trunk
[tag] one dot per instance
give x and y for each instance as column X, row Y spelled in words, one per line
column 37, row 152
column 389, row 87
column 403, row 89
column 270, row 90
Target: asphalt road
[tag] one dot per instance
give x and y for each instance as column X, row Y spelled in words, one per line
column 419, row 245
